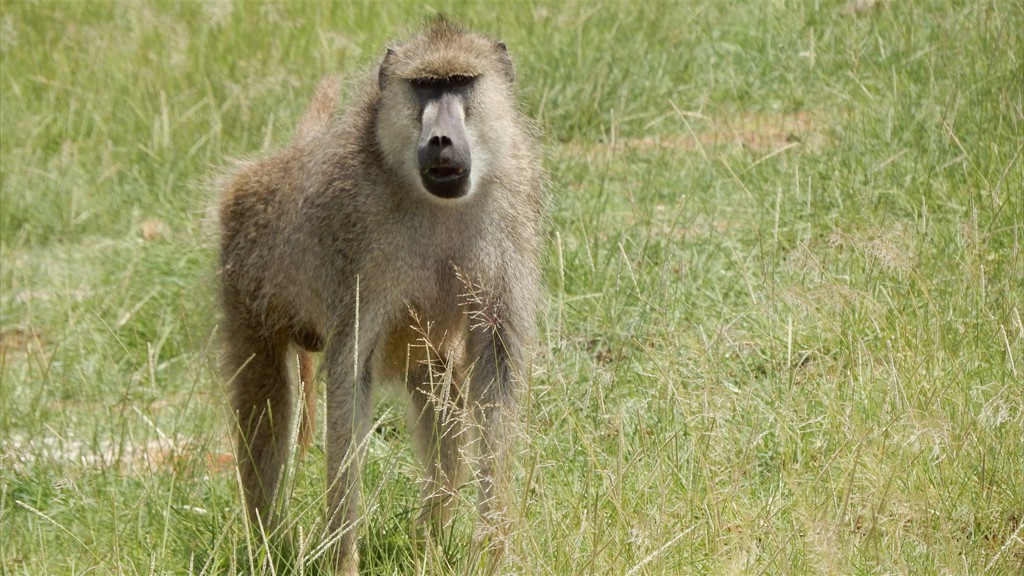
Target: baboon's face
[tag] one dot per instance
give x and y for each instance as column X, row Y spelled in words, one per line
column 445, row 112
column 443, row 153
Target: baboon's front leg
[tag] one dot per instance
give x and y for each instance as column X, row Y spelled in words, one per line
column 349, row 413
column 491, row 399
column 437, row 422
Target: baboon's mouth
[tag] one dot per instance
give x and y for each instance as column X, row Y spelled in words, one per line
column 446, row 179
column 445, row 172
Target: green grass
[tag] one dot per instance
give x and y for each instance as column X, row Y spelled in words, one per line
column 785, row 271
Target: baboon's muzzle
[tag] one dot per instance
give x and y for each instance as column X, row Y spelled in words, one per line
column 444, row 155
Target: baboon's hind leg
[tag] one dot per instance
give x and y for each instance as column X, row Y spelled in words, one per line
column 261, row 396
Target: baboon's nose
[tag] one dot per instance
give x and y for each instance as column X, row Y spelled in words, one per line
column 442, row 141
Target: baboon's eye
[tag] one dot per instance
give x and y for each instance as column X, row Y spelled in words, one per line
column 445, row 83
column 427, row 82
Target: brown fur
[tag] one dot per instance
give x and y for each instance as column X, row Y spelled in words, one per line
column 332, row 245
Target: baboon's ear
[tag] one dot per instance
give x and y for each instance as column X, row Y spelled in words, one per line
column 382, row 72
column 506, row 62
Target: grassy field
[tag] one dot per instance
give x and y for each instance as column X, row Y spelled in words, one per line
column 783, row 332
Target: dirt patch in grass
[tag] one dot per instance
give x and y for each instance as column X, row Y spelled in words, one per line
column 20, row 339
column 757, row 132
column 176, row 453
column 766, row 133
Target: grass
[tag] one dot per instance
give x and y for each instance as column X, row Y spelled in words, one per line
column 784, row 325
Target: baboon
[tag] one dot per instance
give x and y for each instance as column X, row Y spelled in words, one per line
column 400, row 238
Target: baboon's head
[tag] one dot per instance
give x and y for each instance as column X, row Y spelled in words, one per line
column 445, row 109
